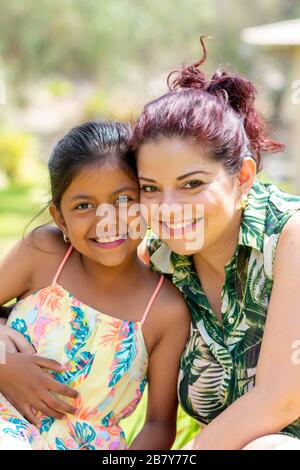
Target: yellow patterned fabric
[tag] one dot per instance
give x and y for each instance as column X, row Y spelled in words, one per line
column 105, row 360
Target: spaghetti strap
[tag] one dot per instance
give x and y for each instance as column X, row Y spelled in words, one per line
column 157, row 289
column 62, row 265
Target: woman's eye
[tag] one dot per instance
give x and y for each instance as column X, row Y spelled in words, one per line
column 149, row 189
column 84, row 205
column 192, row 184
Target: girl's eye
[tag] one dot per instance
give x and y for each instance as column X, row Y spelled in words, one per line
column 149, row 189
column 192, row 184
column 84, row 205
column 123, row 200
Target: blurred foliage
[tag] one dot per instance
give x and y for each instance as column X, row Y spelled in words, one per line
column 112, row 106
column 110, row 43
column 59, row 87
column 97, row 105
column 18, row 205
column 110, row 39
column 18, row 157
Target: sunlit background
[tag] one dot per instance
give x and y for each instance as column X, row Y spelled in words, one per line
column 63, row 62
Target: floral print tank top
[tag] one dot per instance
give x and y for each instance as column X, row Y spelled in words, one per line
column 105, row 360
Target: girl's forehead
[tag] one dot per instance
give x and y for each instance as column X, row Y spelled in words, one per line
column 105, row 178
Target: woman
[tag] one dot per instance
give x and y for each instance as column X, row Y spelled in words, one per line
column 198, row 147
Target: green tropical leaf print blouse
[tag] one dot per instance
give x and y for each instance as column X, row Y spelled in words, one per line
column 219, row 363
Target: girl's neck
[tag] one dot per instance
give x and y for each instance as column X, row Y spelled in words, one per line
column 98, row 273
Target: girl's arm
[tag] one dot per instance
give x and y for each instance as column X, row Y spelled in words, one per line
column 274, row 402
column 159, row 430
column 16, row 270
column 22, row 379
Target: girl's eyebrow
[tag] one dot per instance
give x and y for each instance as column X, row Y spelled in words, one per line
column 124, row 188
column 90, row 196
column 179, row 177
column 81, row 196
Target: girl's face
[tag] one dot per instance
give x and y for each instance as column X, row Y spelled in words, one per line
column 174, row 171
column 90, row 216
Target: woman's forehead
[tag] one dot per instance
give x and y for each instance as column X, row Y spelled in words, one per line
column 175, row 156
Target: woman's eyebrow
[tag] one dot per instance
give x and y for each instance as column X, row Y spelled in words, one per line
column 179, row 177
column 147, row 179
column 192, row 173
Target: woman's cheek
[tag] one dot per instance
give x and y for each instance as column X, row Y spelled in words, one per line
column 146, row 207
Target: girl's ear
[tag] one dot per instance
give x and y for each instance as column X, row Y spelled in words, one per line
column 247, row 175
column 57, row 217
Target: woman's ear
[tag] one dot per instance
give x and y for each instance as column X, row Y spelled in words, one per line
column 247, row 175
column 58, row 217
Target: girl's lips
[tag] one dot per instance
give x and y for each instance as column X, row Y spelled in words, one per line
column 109, row 245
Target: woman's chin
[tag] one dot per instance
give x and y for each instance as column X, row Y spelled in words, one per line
column 184, row 247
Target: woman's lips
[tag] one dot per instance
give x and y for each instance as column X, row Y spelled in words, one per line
column 180, row 228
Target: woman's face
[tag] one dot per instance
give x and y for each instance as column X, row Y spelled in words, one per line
column 175, row 171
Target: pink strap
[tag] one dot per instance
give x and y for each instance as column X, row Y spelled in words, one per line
column 157, row 289
column 62, row 265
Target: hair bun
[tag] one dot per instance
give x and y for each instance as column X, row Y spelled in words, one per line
column 239, row 92
column 234, row 90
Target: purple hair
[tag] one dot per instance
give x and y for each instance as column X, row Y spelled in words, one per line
column 217, row 112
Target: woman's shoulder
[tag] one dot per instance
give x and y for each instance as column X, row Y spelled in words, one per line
column 277, row 200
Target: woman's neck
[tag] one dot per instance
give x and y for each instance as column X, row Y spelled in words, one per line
column 216, row 256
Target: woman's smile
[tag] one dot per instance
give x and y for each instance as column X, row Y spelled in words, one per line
column 180, row 228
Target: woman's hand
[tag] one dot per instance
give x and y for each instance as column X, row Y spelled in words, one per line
column 29, row 388
column 13, row 340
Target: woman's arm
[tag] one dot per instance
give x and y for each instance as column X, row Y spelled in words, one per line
column 159, row 430
column 274, row 402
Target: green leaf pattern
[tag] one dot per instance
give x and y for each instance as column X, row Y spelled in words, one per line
column 219, row 362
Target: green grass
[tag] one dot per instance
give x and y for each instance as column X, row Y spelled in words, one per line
column 18, row 205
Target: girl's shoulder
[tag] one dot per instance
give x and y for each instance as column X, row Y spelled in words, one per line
column 169, row 308
column 45, row 247
column 47, row 239
column 30, row 263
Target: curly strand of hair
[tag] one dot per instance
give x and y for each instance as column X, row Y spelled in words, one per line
column 190, row 76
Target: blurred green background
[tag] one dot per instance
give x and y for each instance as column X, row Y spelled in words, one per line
column 63, row 62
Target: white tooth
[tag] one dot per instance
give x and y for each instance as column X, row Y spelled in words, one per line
column 182, row 225
column 107, row 240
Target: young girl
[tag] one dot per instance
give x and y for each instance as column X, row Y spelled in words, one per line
column 92, row 322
